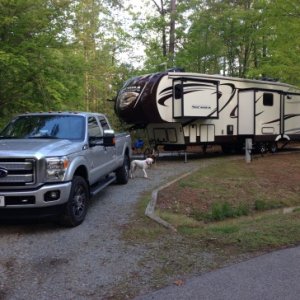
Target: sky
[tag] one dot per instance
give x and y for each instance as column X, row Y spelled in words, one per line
column 135, row 56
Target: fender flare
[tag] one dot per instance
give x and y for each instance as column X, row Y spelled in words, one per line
column 282, row 137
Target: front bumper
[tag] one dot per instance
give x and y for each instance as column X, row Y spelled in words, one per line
column 26, row 199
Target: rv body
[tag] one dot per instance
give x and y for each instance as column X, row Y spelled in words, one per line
column 179, row 109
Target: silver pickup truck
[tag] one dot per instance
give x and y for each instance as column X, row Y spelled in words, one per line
column 52, row 163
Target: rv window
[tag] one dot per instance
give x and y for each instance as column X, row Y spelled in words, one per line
column 178, row 91
column 268, row 99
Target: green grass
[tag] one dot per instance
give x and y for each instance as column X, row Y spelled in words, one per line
column 239, row 198
column 243, row 217
column 247, row 234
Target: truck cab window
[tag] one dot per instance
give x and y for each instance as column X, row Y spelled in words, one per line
column 103, row 123
column 94, row 129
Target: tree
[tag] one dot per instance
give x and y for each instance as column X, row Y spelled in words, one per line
column 58, row 55
column 281, row 59
column 98, row 36
column 34, row 56
column 159, row 32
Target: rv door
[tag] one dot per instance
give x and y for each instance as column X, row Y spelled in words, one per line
column 177, row 99
column 246, row 118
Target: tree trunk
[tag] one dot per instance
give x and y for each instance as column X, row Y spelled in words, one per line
column 172, row 32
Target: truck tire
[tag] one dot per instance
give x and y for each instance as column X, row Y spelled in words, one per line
column 76, row 207
column 122, row 174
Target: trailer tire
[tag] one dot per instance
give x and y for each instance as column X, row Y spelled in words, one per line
column 273, row 147
column 262, row 148
column 227, row 148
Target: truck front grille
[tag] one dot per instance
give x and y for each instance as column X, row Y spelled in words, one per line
column 19, row 172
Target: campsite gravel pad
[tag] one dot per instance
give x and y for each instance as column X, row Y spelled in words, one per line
column 41, row 260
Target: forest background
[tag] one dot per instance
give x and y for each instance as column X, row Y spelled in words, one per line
column 60, row 55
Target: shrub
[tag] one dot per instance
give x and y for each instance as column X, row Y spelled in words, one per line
column 221, row 211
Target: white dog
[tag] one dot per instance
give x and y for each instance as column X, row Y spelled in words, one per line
column 141, row 164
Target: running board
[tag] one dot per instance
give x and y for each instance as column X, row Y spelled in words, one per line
column 95, row 189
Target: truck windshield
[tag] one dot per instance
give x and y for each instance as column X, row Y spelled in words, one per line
column 45, row 126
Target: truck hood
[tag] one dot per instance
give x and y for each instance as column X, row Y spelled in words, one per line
column 38, row 147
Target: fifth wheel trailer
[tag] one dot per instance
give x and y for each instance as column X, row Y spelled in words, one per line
column 179, row 109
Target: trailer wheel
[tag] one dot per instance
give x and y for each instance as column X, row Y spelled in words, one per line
column 227, row 149
column 273, row 147
column 262, row 148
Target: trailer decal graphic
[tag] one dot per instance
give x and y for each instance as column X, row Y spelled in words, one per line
column 297, row 130
column 273, row 121
column 233, row 114
column 291, row 116
column 188, row 88
column 258, row 99
column 231, row 96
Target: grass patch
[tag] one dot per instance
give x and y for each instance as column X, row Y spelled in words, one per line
column 223, row 213
column 231, row 202
column 229, row 189
column 142, row 228
column 262, row 205
column 248, row 234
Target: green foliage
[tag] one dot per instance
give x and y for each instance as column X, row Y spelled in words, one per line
column 56, row 55
column 282, row 59
column 38, row 70
column 261, row 205
column 64, row 55
column 221, row 211
column 250, row 38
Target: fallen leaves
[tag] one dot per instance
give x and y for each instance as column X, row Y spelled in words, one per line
column 179, row 282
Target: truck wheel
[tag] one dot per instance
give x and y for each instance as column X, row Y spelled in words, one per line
column 122, row 174
column 76, row 207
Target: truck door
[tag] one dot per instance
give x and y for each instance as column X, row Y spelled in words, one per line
column 109, row 152
column 96, row 155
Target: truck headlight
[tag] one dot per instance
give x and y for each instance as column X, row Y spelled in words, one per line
column 56, row 168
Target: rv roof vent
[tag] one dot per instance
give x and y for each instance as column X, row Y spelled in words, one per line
column 176, row 70
column 268, row 79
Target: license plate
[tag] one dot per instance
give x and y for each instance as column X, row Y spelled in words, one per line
column 2, row 201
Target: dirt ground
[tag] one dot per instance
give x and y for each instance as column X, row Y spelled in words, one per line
column 271, row 179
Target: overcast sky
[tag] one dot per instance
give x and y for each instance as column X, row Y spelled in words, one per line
column 136, row 55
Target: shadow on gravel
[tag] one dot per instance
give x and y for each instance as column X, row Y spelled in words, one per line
column 30, row 225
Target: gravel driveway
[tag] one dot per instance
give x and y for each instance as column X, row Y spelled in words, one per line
column 45, row 261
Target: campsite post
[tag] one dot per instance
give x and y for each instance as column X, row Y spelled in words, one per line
column 248, row 150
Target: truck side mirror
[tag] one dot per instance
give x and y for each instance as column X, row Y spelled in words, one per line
column 109, row 138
